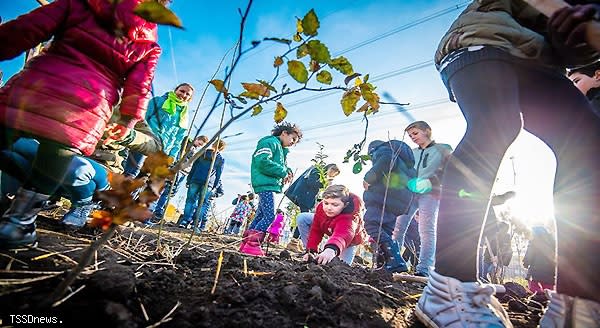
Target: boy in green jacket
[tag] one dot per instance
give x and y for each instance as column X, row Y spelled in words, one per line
column 269, row 172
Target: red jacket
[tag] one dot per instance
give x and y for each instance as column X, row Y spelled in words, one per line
column 67, row 93
column 346, row 229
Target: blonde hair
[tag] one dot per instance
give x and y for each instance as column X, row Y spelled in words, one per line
column 218, row 145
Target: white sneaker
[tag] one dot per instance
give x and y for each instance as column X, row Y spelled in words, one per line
column 449, row 303
column 582, row 313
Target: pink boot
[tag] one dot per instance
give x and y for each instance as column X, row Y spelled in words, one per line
column 252, row 244
column 244, row 240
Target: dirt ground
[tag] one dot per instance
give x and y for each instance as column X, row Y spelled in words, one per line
column 131, row 284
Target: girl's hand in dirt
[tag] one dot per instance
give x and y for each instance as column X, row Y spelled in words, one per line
column 115, row 132
column 325, row 256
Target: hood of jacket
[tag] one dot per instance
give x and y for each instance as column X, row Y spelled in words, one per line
column 120, row 16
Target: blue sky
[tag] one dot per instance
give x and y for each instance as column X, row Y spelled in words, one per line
column 393, row 41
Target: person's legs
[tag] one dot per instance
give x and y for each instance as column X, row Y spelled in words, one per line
column 84, row 177
column 556, row 112
column 428, row 213
column 191, row 202
column 403, row 221
column 304, row 221
column 265, row 213
column 347, row 255
column 133, row 164
column 488, row 95
column 203, row 215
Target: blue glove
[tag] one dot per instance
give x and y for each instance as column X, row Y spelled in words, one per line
column 419, row 185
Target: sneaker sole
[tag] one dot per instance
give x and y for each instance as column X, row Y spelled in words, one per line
column 424, row 318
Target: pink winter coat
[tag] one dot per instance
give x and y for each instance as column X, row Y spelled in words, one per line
column 67, row 93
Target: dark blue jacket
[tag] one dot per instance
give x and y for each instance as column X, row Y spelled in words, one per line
column 199, row 172
column 303, row 192
column 397, row 154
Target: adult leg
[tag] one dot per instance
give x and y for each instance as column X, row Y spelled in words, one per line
column 556, row 112
column 488, row 96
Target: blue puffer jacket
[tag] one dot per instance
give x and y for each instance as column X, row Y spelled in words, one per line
column 166, row 126
column 303, row 192
column 199, row 171
column 400, row 156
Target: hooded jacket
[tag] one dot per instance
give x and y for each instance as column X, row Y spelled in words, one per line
column 268, row 168
column 199, row 172
column 99, row 50
column 346, row 229
column 166, row 126
column 399, row 156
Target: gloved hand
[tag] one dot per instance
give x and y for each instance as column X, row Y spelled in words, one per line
column 419, row 185
column 567, row 27
column 325, row 256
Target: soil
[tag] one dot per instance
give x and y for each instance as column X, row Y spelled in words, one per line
column 131, row 284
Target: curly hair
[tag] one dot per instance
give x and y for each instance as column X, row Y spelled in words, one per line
column 287, row 127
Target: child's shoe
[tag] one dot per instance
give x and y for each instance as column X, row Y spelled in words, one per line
column 252, row 245
column 77, row 216
column 17, row 227
column 582, row 313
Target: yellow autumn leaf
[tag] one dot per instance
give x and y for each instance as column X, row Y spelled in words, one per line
column 257, row 88
column 324, row 77
column 349, row 100
column 280, row 113
column 299, row 28
column 155, row 12
column 310, row 23
column 256, row 110
column 298, row 71
column 220, row 86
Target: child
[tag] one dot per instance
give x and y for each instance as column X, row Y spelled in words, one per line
column 430, row 158
column 269, row 172
column 587, row 80
column 101, row 53
column 503, row 63
column 276, row 227
column 540, row 261
column 337, row 216
column 167, row 117
column 386, row 196
column 239, row 215
column 201, row 173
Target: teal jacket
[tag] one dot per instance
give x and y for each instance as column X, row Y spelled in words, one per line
column 166, row 126
column 268, row 167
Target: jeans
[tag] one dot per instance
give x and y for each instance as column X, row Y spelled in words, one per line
column 372, row 219
column 233, row 228
column 159, row 207
column 133, row 164
column 428, row 212
column 305, row 220
column 492, row 95
column 83, row 176
column 194, row 194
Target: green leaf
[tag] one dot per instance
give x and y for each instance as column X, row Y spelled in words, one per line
column 267, row 85
column 310, row 23
column 154, row 12
column 280, row 113
column 298, row 71
column 324, row 77
column 279, row 40
column 366, row 78
column 342, row 65
column 256, row 110
column 218, row 84
column 248, row 94
column 365, row 157
column 357, row 168
column 349, row 101
column 318, row 51
column 302, row 51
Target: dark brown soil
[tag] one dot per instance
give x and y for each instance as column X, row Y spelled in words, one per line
column 130, row 284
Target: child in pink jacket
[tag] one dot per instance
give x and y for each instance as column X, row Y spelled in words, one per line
column 276, row 227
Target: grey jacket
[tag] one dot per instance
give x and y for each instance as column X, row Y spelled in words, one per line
column 431, row 159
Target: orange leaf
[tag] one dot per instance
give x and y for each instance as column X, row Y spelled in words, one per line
column 256, row 88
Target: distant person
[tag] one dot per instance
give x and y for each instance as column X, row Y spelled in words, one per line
column 338, row 216
column 540, row 260
column 276, row 228
column 503, row 62
column 238, row 216
column 269, row 172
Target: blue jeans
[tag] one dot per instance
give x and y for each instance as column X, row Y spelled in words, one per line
column 428, row 206
column 305, row 220
column 159, row 207
column 133, row 164
column 192, row 199
column 84, row 176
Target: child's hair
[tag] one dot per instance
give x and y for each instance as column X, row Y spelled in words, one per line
column 184, row 85
column 341, row 192
column 202, row 138
column 287, row 127
column 334, row 167
column 421, row 125
column 244, row 197
column 279, row 211
column 589, row 70
column 218, row 146
column 251, row 196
